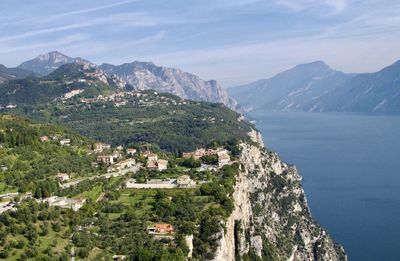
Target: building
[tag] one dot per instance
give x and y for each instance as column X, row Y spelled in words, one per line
column 65, row 142
column 131, row 151
column 152, row 156
column 184, row 182
column 99, row 147
column 223, row 160
column 116, row 154
column 44, row 138
column 159, row 165
column 162, row 164
column 161, row 228
column 125, row 164
column 64, row 202
column 106, row 159
column 151, row 165
column 118, row 257
column 197, row 154
column 62, row 177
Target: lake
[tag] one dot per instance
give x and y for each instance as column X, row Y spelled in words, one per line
column 351, row 169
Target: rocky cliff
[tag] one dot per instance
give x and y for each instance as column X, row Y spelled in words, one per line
column 271, row 220
column 147, row 75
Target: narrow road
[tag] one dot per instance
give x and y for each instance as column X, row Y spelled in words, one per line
column 119, row 173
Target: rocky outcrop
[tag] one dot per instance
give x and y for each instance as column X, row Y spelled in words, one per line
column 271, row 219
column 147, row 75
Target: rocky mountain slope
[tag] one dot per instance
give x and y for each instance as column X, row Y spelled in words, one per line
column 316, row 87
column 271, row 219
column 142, row 76
column 146, row 75
column 48, row 62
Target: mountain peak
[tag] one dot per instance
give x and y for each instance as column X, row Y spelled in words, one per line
column 314, row 65
column 48, row 62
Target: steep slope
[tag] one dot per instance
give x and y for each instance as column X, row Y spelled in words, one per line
column 146, row 75
column 271, row 219
column 12, row 73
column 48, row 62
column 65, row 82
column 367, row 92
column 291, row 89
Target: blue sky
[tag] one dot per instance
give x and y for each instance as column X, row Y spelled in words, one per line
column 233, row 41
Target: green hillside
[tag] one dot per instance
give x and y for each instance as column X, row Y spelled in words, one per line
column 27, row 164
column 146, row 117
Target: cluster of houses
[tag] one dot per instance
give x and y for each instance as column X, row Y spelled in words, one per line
column 63, row 202
column 223, row 155
column 135, row 97
column 111, row 158
column 153, row 163
column 63, row 142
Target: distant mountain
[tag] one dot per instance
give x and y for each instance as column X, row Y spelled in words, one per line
column 146, row 75
column 317, row 87
column 291, row 89
column 64, row 83
column 12, row 73
column 48, row 62
column 142, row 76
column 366, row 92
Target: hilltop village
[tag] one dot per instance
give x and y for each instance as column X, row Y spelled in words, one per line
column 119, row 178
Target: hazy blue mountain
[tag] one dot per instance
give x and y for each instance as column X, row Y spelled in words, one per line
column 147, row 75
column 48, row 62
column 367, row 92
column 317, row 87
column 12, row 73
column 291, row 89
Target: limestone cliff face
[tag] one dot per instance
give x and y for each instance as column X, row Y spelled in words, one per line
column 271, row 220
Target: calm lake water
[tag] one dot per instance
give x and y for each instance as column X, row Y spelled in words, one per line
column 351, row 169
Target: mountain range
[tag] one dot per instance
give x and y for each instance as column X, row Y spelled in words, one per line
column 316, row 87
column 140, row 75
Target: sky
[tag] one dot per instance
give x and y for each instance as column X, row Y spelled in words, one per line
column 232, row 41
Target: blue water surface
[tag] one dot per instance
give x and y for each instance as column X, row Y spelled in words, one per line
column 351, row 169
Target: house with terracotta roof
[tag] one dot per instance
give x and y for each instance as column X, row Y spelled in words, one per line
column 161, row 228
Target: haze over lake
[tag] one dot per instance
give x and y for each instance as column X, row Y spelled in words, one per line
column 350, row 164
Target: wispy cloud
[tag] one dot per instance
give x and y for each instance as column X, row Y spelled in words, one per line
column 63, row 41
column 139, row 19
column 335, row 6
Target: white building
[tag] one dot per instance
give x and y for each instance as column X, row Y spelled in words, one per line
column 62, row 177
column 65, row 142
column 64, row 202
column 131, row 151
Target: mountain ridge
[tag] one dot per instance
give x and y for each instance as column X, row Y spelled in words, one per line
column 142, row 76
column 316, row 87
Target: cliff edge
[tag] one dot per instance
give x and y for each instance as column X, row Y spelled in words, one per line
column 271, row 219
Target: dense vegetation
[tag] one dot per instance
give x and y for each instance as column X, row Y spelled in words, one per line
column 27, row 164
column 174, row 124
